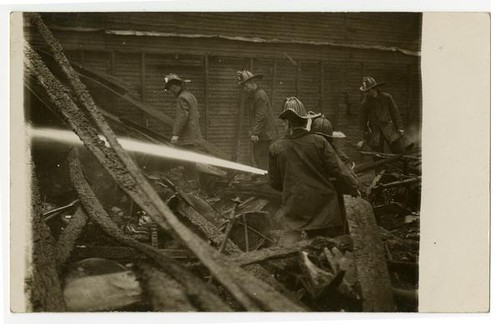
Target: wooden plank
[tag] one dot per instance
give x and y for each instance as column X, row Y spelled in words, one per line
column 45, row 286
column 124, row 253
column 250, row 293
column 369, row 253
column 68, row 237
column 278, row 252
column 164, row 292
column 100, row 217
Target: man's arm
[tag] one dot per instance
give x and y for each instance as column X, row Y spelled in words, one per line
column 181, row 116
column 363, row 118
column 346, row 181
column 274, row 172
column 341, row 154
column 260, row 106
column 395, row 115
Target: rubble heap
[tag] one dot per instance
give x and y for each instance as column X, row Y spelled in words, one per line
column 163, row 243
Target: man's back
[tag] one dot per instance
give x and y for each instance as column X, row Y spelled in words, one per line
column 301, row 166
column 187, row 118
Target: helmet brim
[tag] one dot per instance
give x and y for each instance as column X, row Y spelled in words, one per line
column 363, row 89
column 289, row 113
column 253, row 77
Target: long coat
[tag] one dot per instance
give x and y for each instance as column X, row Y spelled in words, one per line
column 303, row 166
column 381, row 115
column 187, row 116
column 261, row 114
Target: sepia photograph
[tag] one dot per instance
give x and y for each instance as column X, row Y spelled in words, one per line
column 222, row 161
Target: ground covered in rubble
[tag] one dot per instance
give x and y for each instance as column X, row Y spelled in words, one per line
column 320, row 276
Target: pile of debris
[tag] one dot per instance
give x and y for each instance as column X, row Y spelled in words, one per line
column 392, row 184
column 138, row 241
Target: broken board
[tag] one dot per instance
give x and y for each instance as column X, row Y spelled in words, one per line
column 369, row 256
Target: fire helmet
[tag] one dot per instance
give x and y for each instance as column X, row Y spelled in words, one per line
column 293, row 107
column 369, row 82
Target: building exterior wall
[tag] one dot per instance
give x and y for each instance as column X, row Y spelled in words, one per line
column 318, row 57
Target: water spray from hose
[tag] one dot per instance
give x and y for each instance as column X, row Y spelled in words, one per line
column 131, row 145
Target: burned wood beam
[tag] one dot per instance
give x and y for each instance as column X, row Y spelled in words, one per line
column 192, row 284
column 44, row 283
column 397, row 183
column 163, row 291
column 406, row 267
column 124, row 252
column 386, row 155
column 69, row 236
column 206, row 228
column 369, row 255
column 408, row 294
column 277, row 252
column 394, row 242
column 371, row 165
column 374, row 182
column 251, row 293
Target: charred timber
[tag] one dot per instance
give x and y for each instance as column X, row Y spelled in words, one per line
column 44, row 283
column 277, row 252
column 69, row 236
column 190, row 283
column 371, row 165
column 251, row 293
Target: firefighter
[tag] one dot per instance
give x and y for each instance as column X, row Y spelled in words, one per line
column 262, row 120
column 380, row 118
column 322, row 126
column 186, row 130
column 302, row 166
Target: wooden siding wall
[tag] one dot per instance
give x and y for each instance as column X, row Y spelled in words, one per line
column 325, row 78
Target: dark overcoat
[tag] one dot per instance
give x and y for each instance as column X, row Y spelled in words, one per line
column 381, row 116
column 261, row 114
column 303, row 166
column 187, row 116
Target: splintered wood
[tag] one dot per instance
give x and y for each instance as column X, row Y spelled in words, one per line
column 206, row 267
column 249, row 292
column 370, row 256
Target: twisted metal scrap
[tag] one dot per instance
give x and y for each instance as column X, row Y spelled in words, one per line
column 251, row 293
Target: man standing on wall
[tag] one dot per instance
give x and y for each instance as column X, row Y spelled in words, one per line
column 186, row 130
column 261, row 113
column 380, row 118
column 303, row 166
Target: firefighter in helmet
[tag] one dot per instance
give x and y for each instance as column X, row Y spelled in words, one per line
column 301, row 166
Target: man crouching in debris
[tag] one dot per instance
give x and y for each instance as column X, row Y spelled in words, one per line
column 186, row 130
column 302, row 165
